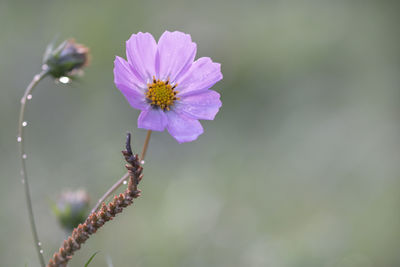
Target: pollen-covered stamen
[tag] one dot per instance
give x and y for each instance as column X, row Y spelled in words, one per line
column 161, row 94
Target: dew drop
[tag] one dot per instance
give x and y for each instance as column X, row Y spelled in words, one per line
column 23, row 181
column 19, row 139
column 142, row 162
column 39, row 244
column 24, row 156
column 41, row 251
column 125, row 182
column 29, row 97
column 64, row 80
column 24, row 124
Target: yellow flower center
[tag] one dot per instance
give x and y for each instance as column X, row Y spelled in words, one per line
column 161, row 94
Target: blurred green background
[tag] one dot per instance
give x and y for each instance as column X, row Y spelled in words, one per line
column 299, row 168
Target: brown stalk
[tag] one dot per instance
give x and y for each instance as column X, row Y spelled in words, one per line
column 106, row 213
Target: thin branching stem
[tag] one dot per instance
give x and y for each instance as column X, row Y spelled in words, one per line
column 123, row 178
column 20, row 138
column 97, row 219
column 110, row 191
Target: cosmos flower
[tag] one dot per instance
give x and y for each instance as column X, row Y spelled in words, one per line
column 72, row 208
column 167, row 85
column 68, row 59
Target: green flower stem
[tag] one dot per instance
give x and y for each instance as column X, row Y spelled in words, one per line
column 123, row 178
column 20, row 138
column 145, row 145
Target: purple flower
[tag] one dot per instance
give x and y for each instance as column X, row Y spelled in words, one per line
column 167, row 85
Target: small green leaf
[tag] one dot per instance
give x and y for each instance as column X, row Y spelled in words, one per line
column 91, row 258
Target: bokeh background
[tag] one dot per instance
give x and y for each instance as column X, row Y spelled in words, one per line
column 299, row 168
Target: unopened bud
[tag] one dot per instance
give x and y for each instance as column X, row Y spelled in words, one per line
column 72, row 208
column 67, row 59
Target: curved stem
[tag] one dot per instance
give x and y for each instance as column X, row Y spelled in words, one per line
column 123, row 178
column 20, row 138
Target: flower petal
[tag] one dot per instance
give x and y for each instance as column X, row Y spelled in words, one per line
column 128, row 84
column 152, row 119
column 123, row 74
column 204, row 105
column 202, row 75
column 176, row 53
column 141, row 50
column 183, row 128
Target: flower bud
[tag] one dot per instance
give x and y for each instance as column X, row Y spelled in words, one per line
column 67, row 59
column 72, row 208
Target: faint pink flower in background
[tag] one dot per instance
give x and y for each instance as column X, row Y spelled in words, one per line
column 167, row 85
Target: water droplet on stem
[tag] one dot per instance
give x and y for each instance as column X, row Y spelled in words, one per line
column 64, row 80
